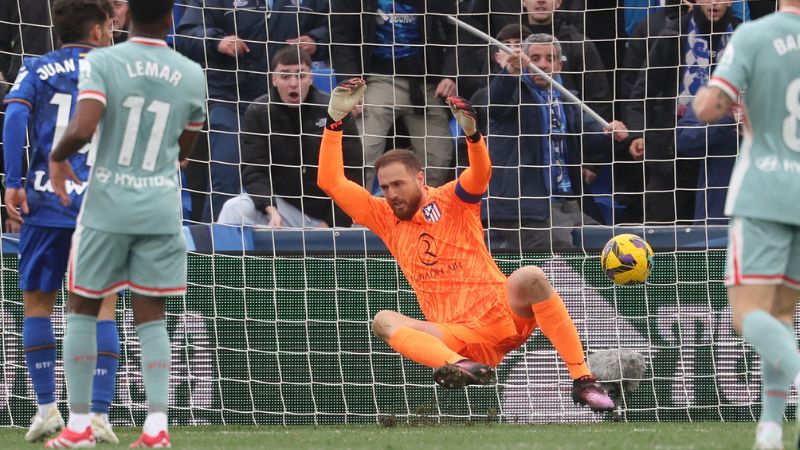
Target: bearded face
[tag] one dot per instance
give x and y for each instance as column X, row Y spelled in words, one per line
column 401, row 188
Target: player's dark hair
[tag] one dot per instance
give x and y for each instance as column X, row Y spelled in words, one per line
column 73, row 19
column 513, row 31
column 405, row 157
column 289, row 56
column 147, row 12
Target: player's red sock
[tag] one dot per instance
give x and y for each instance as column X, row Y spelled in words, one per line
column 557, row 325
column 422, row 347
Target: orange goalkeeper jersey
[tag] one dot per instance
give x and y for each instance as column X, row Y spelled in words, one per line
column 441, row 249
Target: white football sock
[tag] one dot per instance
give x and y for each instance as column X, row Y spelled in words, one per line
column 78, row 422
column 768, row 432
column 44, row 409
column 155, row 423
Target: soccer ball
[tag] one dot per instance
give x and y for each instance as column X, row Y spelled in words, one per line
column 627, row 259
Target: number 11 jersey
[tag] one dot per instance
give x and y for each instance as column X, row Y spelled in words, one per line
column 151, row 94
column 762, row 64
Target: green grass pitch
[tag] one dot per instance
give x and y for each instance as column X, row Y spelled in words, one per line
column 628, row 436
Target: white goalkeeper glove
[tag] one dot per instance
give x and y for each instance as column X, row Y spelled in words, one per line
column 464, row 114
column 345, row 97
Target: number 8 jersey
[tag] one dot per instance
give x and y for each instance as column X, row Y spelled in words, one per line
column 762, row 64
column 151, row 94
column 48, row 85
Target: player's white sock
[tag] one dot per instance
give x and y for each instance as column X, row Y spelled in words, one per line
column 79, row 422
column 154, row 423
column 797, row 381
column 769, row 436
column 44, row 409
column 769, row 427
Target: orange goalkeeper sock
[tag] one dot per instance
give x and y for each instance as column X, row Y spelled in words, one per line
column 557, row 325
column 422, row 347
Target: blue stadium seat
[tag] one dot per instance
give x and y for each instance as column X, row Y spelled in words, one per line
column 219, row 238
column 324, row 78
column 232, row 238
column 601, row 189
column 187, row 235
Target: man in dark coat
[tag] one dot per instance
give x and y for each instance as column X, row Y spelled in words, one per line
column 405, row 49
column 280, row 152
column 679, row 61
column 538, row 146
column 234, row 40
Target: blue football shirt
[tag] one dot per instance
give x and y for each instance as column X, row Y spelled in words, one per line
column 48, row 85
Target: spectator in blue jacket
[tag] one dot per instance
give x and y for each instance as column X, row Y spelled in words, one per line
column 233, row 40
column 538, row 145
column 677, row 62
column 715, row 146
column 636, row 11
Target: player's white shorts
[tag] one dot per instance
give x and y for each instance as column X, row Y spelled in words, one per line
column 102, row 263
column 762, row 252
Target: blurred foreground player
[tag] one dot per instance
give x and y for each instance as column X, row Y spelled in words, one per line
column 761, row 66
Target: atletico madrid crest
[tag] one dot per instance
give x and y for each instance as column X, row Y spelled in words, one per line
column 432, row 213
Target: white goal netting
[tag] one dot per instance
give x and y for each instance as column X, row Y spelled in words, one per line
column 275, row 328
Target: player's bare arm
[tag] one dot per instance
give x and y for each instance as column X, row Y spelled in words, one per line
column 187, row 142
column 711, row 104
column 79, row 132
column 16, row 198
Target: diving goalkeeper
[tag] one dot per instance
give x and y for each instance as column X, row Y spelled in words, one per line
column 476, row 315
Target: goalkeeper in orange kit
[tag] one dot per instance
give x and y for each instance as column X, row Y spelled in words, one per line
column 475, row 314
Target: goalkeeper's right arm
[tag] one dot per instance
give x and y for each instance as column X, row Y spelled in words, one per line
column 351, row 197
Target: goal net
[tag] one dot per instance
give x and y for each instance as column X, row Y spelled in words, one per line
column 276, row 325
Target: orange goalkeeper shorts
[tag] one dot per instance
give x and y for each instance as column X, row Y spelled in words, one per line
column 490, row 342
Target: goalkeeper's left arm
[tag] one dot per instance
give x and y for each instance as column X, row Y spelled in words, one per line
column 475, row 179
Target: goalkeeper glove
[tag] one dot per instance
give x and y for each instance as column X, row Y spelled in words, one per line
column 464, row 114
column 345, row 97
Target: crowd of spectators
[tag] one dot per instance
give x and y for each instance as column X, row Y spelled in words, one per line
column 270, row 63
